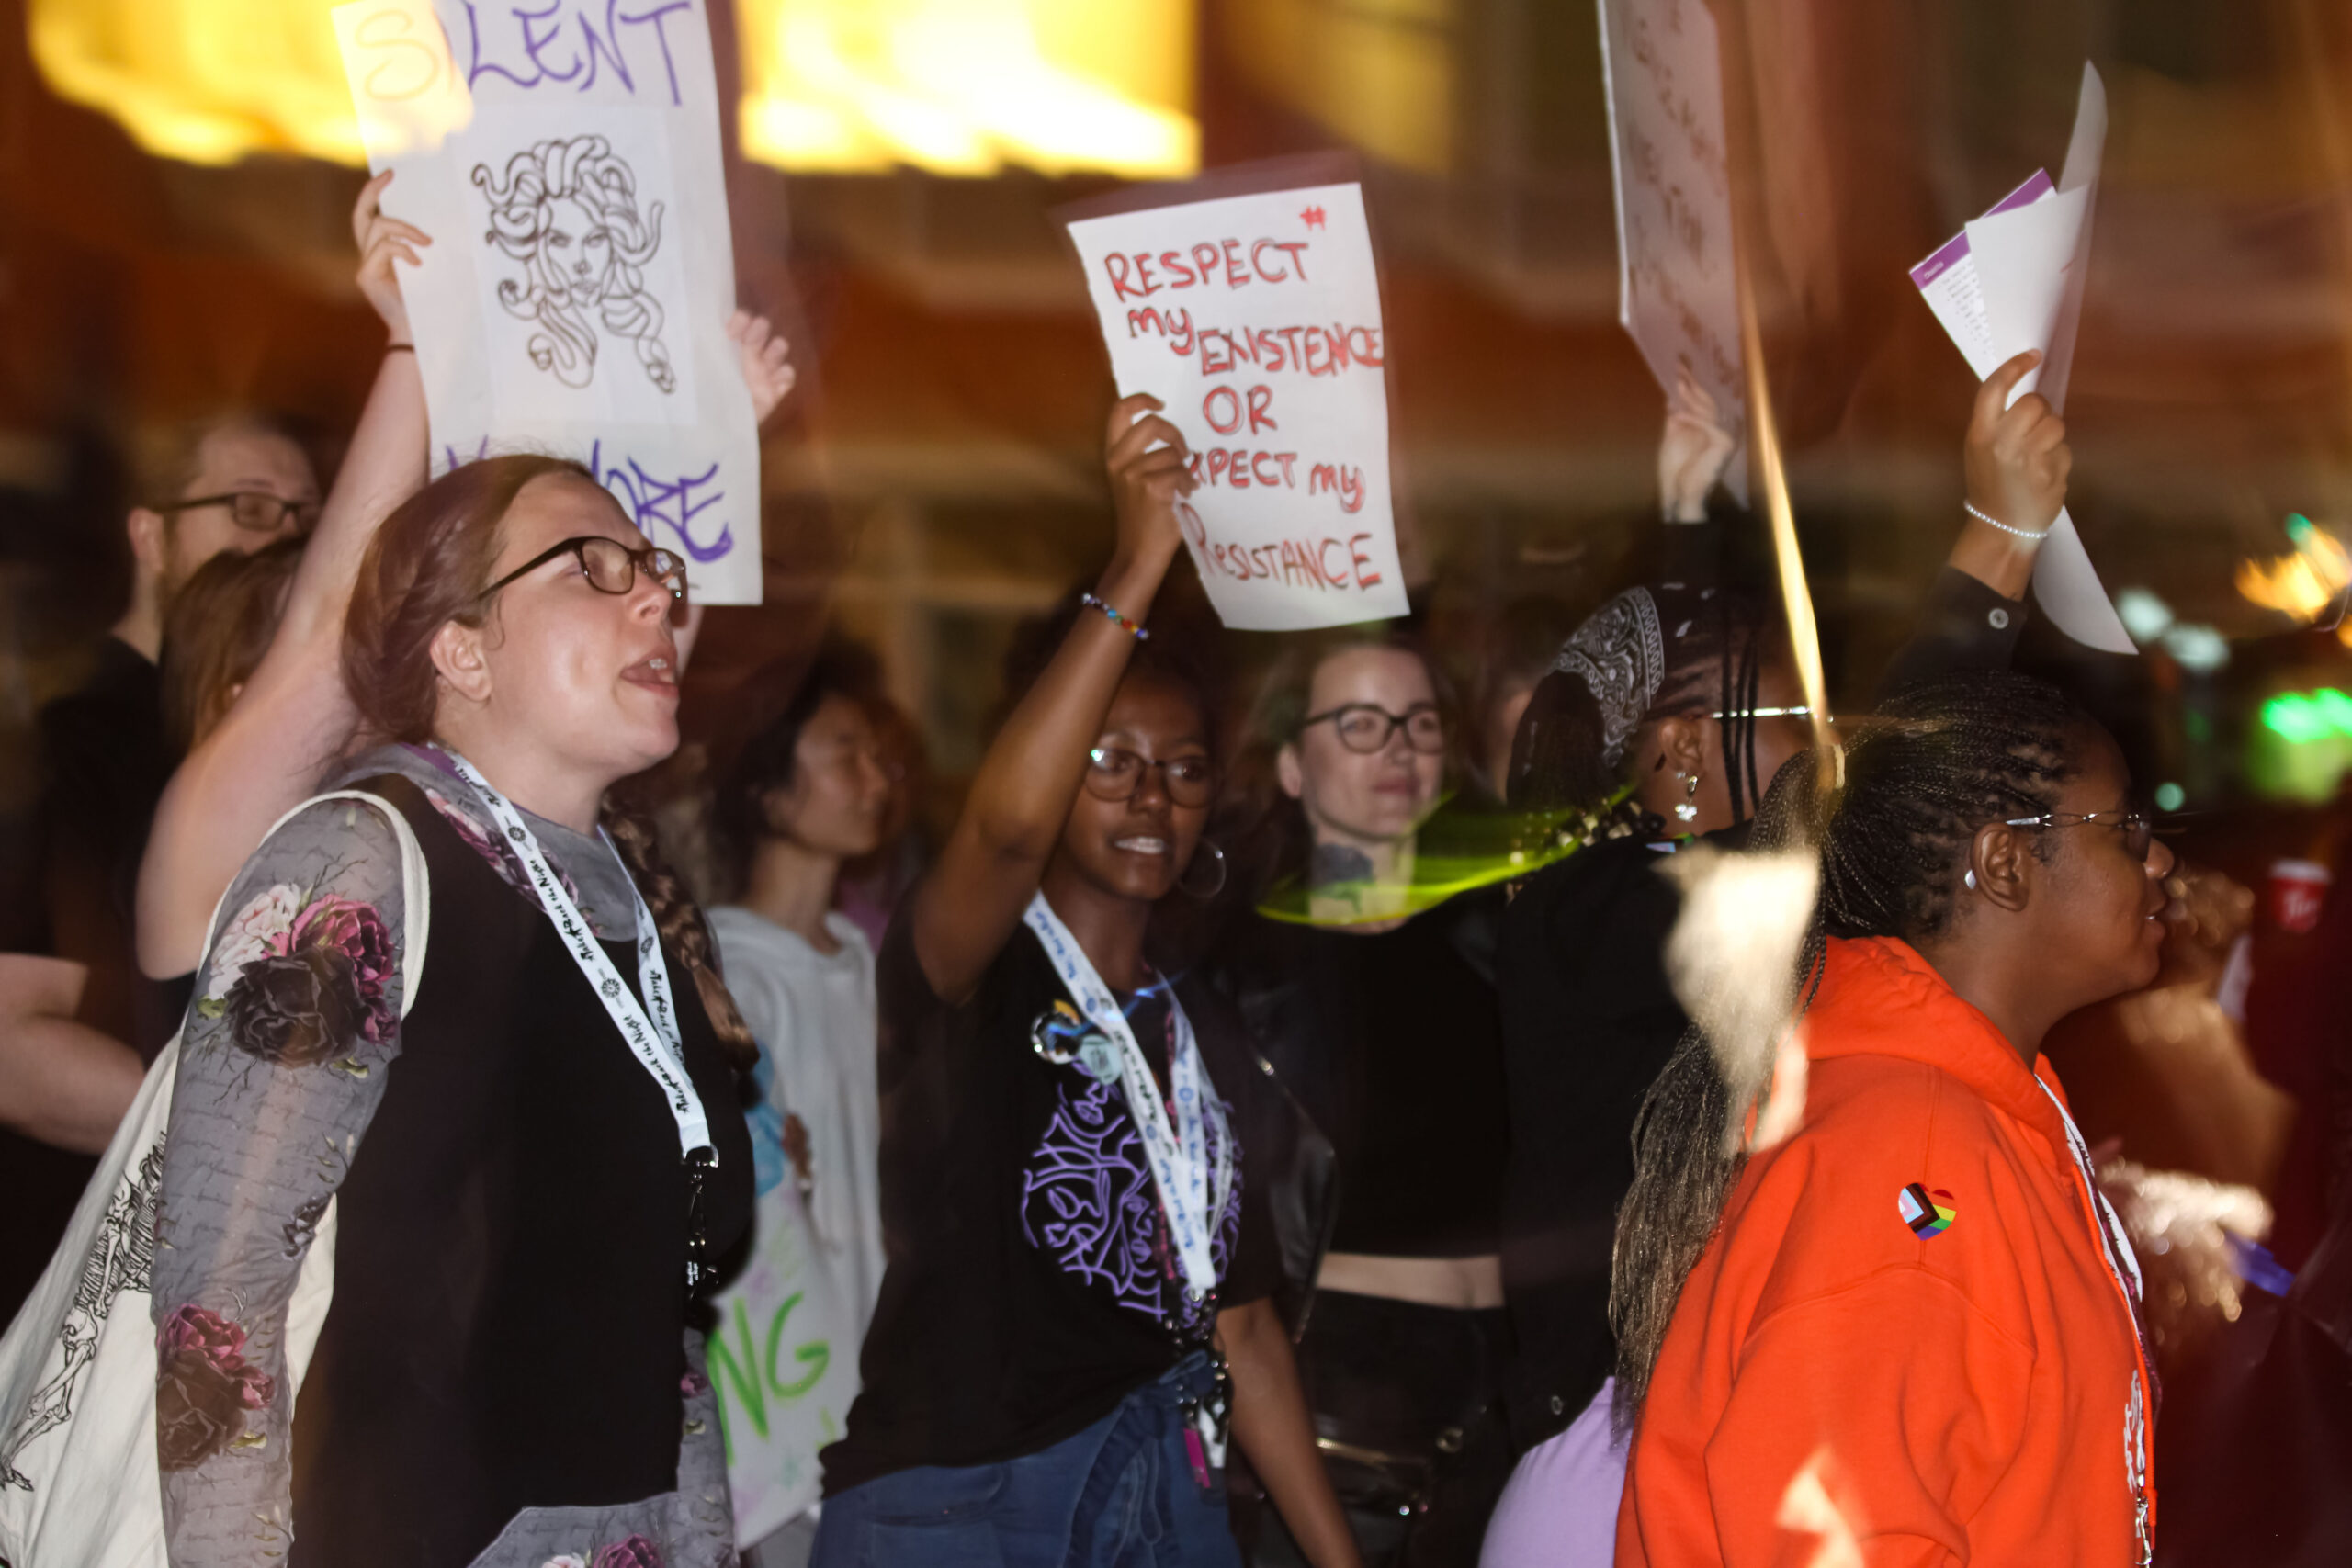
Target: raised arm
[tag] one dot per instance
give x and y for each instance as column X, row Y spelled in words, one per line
column 294, row 715
column 970, row 904
column 2017, row 462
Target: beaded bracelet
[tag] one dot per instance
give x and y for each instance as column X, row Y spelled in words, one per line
column 1970, row 507
column 1116, row 618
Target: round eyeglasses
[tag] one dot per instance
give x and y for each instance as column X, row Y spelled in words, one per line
column 610, row 566
column 1113, row 773
column 2139, row 828
column 1366, row 727
column 255, row 511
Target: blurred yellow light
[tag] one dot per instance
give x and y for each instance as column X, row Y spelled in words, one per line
column 954, row 86
column 2303, row 583
column 967, row 87
column 204, row 81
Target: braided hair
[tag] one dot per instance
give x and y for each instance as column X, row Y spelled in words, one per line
column 1935, row 763
column 1713, row 643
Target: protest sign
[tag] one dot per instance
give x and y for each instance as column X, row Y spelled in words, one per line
column 565, row 159
column 2013, row 280
column 1255, row 320
column 1676, row 279
column 783, row 1360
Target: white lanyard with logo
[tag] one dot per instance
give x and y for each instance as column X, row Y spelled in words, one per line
column 1191, row 1196
column 2125, row 1269
column 654, row 1041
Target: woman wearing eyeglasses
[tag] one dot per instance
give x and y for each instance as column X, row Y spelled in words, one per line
column 504, row 1095
column 1665, row 713
column 1075, row 1316
column 1367, row 985
column 1910, row 1330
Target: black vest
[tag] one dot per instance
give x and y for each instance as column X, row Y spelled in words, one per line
column 509, row 1310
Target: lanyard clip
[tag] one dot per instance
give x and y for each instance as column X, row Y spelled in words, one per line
column 700, row 1163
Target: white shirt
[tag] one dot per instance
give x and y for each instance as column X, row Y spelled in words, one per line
column 814, row 1013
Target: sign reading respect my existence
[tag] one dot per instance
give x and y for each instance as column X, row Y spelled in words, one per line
column 564, row 157
column 1255, row 320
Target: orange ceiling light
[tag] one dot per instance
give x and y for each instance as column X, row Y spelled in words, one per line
column 968, row 87
column 2304, row 583
column 846, row 86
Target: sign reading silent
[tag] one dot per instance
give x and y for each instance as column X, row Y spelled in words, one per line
column 565, row 158
column 1255, row 320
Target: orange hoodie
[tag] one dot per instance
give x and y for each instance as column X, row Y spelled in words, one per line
column 1856, row 1377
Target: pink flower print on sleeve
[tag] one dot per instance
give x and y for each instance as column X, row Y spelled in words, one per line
column 204, row 1387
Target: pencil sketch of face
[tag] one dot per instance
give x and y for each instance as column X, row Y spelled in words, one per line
column 568, row 211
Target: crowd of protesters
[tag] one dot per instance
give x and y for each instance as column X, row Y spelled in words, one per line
column 1567, row 1104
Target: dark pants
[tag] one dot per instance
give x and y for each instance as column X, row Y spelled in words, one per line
column 1120, row 1495
column 1407, row 1406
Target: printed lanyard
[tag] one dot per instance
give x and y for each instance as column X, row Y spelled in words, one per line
column 2125, row 1269
column 654, row 1041
column 1178, row 1154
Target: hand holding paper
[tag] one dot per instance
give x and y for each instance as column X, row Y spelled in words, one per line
column 2012, row 281
column 1147, row 458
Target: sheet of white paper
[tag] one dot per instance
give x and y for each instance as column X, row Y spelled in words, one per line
column 1255, row 320
column 1677, row 290
column 2029, row 262
column 565, row 161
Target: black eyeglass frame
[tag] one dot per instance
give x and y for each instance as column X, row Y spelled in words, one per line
column 2139, row 827
column 305, row 514
column 1396, row 721
column 1144, row 766
column 649, row 560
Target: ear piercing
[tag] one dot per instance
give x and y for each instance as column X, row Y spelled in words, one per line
column 1688, row 809
column 1970, row 880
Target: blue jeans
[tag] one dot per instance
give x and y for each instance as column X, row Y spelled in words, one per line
column 1119, row 1494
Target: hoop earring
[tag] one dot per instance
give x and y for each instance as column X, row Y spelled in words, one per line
column 1687, row 809
column 1184, row 883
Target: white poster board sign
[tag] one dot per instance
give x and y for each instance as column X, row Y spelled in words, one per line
column 1677, row 292
column 783, row 1360
column 1255, row 320
column 2013, row 280
column 565, row 160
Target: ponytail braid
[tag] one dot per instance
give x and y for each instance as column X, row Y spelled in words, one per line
column 682, row 929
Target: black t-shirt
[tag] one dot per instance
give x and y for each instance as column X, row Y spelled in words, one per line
column 1393, row 1043
column 1589, row 1019
column 1030, row 1284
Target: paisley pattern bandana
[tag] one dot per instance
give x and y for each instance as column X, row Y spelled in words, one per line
column 1619, row 654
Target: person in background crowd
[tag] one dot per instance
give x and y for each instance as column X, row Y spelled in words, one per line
column 220, row 625
column 509, row 1368
column 1372, row 1002
column 1080, row 1259
column 870, row 887
column 1912, row 1328
column 1666, row 709
column 804, row 793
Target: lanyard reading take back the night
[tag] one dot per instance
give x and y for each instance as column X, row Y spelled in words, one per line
column 653, row 1040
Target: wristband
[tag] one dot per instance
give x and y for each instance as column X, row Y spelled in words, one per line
column 1116, row 618
column 399, row 348
column 1969, row 508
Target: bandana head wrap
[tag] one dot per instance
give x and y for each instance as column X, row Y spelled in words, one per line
column 1619, row 656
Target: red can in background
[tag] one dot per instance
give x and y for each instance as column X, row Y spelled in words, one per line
column 2298, row 893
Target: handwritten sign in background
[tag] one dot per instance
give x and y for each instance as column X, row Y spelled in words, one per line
column 1677, row 290
column 783, row 1360
column 564, row 155
column 1256, row 319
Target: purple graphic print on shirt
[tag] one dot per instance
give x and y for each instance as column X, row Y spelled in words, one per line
column 1088, row 1202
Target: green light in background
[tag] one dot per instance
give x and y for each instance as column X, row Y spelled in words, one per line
column 2170, row 797
column 2305, row 717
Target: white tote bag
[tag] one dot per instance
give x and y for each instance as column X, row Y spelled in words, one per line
column 79, row 1487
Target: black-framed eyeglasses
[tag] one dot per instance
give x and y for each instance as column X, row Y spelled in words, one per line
column 2139, row 828
column 1113, row 773
column 610, row 566
column 1366, row 727
column 255, row 511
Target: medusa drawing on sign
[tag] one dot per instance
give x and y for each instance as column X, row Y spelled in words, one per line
column 568, row 211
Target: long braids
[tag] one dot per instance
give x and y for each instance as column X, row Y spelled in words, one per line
column 683, row 928
column 1934, row 764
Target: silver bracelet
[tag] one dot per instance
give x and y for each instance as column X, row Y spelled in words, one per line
column 1970, row 507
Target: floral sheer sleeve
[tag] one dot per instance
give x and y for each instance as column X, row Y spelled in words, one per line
column 283, row 1062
